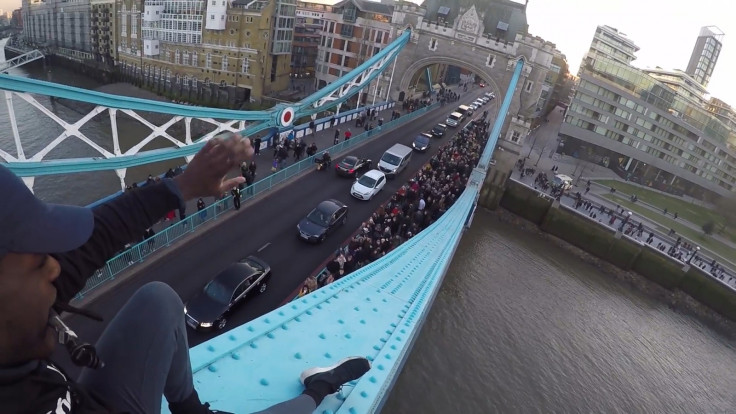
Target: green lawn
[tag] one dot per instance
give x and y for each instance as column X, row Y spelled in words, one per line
column 666, row 223
column 693, row 213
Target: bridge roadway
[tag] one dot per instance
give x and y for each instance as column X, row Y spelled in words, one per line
column 267, row 223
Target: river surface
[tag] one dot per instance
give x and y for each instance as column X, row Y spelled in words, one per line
column 523, row 325
column 38, row 130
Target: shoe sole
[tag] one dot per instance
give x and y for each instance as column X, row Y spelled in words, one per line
column 318, row 370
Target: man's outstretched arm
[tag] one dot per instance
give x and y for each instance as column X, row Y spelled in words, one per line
column 125, row 219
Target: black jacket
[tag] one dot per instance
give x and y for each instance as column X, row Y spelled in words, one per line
column 41, row 386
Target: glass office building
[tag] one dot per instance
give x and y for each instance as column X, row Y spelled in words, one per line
column 647, row 131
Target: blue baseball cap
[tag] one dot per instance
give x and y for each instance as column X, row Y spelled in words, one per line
column 31, row 226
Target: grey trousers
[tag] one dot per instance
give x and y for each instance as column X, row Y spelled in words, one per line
column 146, row 355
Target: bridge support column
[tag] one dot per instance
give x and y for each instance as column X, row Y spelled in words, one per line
column 494, row 184
column 121, row 175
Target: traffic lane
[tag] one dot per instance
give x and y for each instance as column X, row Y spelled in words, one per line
column 211, row 252
column 289, row 256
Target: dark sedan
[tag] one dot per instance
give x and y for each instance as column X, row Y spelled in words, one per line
column 421, row 142
column 351, row 165
column 323, row 220
column 209, row 308
column 439, row 130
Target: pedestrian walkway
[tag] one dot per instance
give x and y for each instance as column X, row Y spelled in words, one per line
column 615, row 218
column 324, row 138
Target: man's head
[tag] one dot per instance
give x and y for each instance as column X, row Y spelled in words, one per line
column 29, row 231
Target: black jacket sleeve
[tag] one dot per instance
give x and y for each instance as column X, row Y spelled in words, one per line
column 118, row 222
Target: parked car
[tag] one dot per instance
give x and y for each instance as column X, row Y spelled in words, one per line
column 368, row 185
column 439, row 130
column 421, row 142
column 210, row 308
column 351, row 165
column 490, row 95
column 322, row 220
column 482, row 84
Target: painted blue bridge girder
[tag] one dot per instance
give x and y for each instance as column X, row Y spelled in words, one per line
column 334, row 94
column 377, row 312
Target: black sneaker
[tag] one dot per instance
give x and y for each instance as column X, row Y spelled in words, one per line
column 335, row 376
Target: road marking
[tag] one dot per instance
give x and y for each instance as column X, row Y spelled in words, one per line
column 264, row 247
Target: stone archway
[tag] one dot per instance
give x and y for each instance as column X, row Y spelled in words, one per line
column 408, row 73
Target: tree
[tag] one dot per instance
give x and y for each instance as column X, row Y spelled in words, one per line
column 708, row 227
column 726, row 208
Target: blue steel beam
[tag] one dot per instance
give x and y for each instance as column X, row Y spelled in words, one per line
column 428, row 73
column 485, row 158
column 377, row 311
column 269, row 118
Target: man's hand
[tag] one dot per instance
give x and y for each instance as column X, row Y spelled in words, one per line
column 205, row 174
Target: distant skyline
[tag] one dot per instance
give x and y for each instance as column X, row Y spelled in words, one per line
column 664, row 30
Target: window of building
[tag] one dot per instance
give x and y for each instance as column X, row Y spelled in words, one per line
column 224, row 63
column 528, row 86
column 490, row 61
column 195, row 59
column 133, row 23
column 347, row 30
column 185, row 61
column 208, row 62
column 177, row 57
column 515, row 135
column 433, row 44
column 245, row 66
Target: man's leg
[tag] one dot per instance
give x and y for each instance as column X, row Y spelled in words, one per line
column 320, row 382
column 145, row 352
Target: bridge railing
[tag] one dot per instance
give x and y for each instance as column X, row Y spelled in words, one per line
column 139, row 252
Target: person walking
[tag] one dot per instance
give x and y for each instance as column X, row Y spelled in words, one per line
column 236, row 196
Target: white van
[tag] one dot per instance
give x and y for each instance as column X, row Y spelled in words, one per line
column 454, row 119
column 563, row 180
column 394, row 160
column 465, row 110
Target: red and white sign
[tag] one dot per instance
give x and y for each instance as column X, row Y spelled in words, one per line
column 287, row 116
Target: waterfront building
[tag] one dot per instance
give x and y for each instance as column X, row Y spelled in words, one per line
column 651, row 126
column 705, row 54
column 17, row 18
column 102, row 33
column 307, row 35
column 353, row 32
column 217, row 52
column 610, row 43
column 60, row 27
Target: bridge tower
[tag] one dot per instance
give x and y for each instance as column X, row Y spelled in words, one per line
column 464, row 42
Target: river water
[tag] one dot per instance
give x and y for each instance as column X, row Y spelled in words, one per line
column 37, row 130
column 523, row 325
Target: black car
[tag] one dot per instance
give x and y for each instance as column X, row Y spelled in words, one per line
column 421, row 142
column 351, row 165
column 323, row 220
column 439, row 130
column 209, row 308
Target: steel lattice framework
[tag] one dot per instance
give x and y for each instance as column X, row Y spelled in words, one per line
column 246, row 122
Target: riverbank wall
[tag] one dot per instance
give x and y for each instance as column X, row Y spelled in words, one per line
column 618, row 249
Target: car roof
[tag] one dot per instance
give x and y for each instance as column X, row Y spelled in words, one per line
column 234, row 274
column 330, row 206
column 351, row 158
column 375, row 174
column 441, row 125
column 425, row 134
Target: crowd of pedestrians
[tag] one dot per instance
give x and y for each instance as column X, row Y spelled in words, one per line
column 414, row 206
